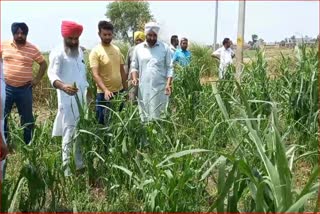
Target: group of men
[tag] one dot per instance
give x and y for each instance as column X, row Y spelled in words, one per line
column 180, row 54
column 148, row 69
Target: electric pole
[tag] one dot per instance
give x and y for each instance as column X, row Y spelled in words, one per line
column 215, row 27
column 240, row 38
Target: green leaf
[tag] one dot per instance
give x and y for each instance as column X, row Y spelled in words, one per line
column 124, row 146
column 282, row 164
column 313, row 177
column 271, row 170
column 261, row 205
column 125, row 170
column 226, row 187
column 181, row 154
column 300, row 203
column 206, row 173
column 221, row 184
column 153, row 199
column 220, row 102
column 17, row 191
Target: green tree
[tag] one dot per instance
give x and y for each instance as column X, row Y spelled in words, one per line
column 128, row 16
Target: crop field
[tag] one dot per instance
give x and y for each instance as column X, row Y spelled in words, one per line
column 223, row 146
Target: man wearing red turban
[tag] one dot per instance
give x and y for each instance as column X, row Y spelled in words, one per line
column 71, row 29
column 67, row 73
column 71, row 32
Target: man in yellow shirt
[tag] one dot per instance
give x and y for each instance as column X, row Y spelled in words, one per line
column 107, row 64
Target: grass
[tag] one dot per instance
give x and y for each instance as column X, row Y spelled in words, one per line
column 222, row 147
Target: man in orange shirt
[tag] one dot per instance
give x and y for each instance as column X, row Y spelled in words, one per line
column 18, row 56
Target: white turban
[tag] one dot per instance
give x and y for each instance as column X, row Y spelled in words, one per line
column 151, row 27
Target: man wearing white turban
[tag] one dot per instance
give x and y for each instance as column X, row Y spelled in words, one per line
column 151, row 69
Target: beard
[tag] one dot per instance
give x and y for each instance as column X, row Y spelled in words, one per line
column 71, row 50
column 151, row 42
column 106, row 41
column 20, row 41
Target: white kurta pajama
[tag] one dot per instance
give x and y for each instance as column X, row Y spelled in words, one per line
column 225, row 59
column 172, row 50
column 2, row 102
column 68, row 70
column 154, row 66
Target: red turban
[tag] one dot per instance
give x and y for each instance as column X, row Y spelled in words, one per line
column 69, row 29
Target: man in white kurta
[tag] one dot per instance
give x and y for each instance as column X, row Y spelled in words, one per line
column 3, row 146
column 174, row 44
column 151, row 69
column 225, row 54
column 67, row 74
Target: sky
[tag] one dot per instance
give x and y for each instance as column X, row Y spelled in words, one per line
column 270, row 20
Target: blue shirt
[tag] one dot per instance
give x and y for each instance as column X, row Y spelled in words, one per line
column 182, row 57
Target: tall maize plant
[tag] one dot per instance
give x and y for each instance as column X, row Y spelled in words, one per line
column 267, row 185
column 303, row 96
column 298, row 85
column 256, row 85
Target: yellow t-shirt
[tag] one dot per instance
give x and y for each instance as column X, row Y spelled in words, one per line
column 108, row 59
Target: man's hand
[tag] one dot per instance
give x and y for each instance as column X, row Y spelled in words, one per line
column 168, row 89
column 124, row 77
column 69, row 89
column 125, row 85
column 135, row 82
column 35, row 82
column 135, row 78
column 108, row 94
column 42, row 69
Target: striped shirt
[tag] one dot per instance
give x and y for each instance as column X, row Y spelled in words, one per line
column 17, row 62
